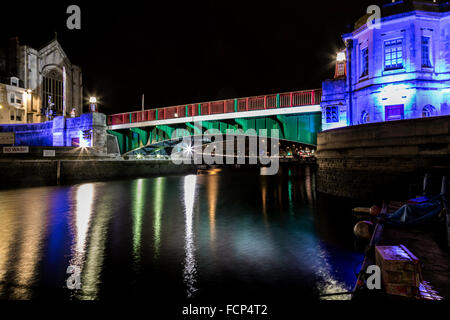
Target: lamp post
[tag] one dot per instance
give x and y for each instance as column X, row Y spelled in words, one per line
column 93, row 104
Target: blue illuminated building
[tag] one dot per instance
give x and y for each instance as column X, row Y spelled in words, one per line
column 400, row 70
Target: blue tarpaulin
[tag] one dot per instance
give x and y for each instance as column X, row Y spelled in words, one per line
column 416, row 214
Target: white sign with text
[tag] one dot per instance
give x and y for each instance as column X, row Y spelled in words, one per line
column 16, row 150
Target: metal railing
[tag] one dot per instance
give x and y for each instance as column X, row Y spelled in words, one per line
column 272, row 101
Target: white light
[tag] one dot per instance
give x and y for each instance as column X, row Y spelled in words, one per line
column 93, row 100
column 341, row 56
column 190, row 264
column 84, row 204
column 84, row 143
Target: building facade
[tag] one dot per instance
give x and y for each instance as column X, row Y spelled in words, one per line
column 400, row 70
column 46, row 83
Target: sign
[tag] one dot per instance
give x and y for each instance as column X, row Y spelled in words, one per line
column 49, row 153
column 16, row 150
column 7, row 137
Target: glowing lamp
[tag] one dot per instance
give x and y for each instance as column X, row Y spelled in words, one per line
column 341, row 56
column 84, row 143
column 92, row 100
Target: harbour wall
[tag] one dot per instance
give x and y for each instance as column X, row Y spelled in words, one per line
column 89, row 128
column 24, row 173
column 386, row 160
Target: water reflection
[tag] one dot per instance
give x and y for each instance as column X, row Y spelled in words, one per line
column 329, row 283
column 84, row 201
column 138, row 211
column 8, row 229
column 308, row 185
column 213, row 184
column 264, row 197
column 158, row 190
column 95, row 252
column 31, row 235
column 267, row 230
column 190, row 268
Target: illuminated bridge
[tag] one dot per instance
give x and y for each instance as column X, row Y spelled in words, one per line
column 297, row 116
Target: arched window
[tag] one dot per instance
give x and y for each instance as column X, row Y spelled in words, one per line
column 428, row 111
column 52, row 90
column 364, row 117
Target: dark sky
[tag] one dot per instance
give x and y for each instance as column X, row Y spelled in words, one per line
column 190, row 51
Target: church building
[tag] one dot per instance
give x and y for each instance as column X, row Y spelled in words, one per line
column 38, row 84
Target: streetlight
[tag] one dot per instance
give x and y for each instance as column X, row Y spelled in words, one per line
column 341, row 57
column 93, row 104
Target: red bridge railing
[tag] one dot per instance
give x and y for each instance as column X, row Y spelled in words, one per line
column 272, row 101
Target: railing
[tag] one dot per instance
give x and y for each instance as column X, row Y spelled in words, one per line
column 273, row 101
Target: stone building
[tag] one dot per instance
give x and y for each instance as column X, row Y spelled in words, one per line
column 38, row 82
column 400, row 70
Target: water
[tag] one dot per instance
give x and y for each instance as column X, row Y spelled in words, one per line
column 220, row 235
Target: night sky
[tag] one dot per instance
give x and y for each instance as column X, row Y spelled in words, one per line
column 190, row 51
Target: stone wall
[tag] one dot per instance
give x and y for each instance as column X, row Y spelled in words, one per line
column 18, row 173
column 382, row 160
column 62, row 132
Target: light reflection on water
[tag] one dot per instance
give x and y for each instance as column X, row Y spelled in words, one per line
column 190, row 267
column 219, row 233
column 158, row 208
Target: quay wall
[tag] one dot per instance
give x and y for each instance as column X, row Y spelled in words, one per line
column 20, row 173
column 62, row 132
column 385, row 160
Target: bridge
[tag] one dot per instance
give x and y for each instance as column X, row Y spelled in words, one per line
column 297, row 116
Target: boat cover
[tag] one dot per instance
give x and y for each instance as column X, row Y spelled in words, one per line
column 416, row 214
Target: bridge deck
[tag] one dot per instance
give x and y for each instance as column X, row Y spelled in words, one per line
column 282, row 103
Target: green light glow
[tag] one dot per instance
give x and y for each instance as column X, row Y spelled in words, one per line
column 157, row 207
column 291, row 205
column 138, row 211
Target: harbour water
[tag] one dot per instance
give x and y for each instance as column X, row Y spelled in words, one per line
column 218, row 235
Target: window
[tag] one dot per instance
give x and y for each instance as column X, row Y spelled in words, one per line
column 394, row 113
column 15, row 81
column 393, row 54
column 428, row 111
column 52, row 92
column 19, row 114
column 426, row 59
column 332, row 114
column 340, row 70
column 14, row 99
column 364, row 117
column 364, row 62
column 12, row 115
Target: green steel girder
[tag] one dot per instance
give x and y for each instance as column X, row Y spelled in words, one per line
column 301, row 128
column 143, row 135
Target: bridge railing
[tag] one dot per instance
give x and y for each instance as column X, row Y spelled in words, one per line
column 272, row 101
